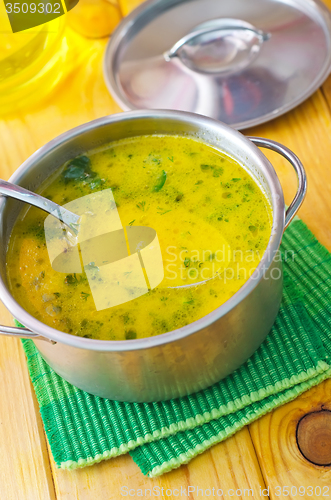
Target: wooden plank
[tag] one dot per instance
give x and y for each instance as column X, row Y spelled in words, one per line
column 230, row 466
column 281, row 461
column 24, row 462
column 307, row 131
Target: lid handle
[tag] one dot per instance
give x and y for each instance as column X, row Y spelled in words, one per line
column 299, row 170
column 22, row 333
column 219, row 46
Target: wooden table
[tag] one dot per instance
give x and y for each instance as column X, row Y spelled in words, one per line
column 266, row 453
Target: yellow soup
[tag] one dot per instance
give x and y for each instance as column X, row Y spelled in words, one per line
column 208, row 225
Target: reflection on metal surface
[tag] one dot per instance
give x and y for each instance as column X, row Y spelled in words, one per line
column 121, row 264
column 219, row 46
column 258, row 79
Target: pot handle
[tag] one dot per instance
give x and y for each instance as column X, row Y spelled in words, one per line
column 298, row 167
column 23, row 333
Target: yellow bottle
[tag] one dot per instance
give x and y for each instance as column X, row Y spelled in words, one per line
column 30, row 62
column 94, row 18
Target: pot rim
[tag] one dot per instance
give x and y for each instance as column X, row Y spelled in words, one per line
column 278, row 213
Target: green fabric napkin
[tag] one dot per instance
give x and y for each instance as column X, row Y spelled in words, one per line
column 84, row 429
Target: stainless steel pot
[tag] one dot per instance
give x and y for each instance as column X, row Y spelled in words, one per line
column 195, row 356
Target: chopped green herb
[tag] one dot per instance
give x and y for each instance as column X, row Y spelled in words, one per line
column 141, row 205
column 254, row 230
column 250, row 187
column 71, row 279
column 236, row 179
column 126, row 318
column 78, row 169
column 179, row 197
column 37, row 230
column 164, row 299
column 130, row 223
column 190, row 302
column 161, row 181
column 84, row 295
column 57, row 294
column 198, row 182
column 217, row 172
column 94, row 183
column 162, row 213
column 187, row 261
column 171, row 158
column 130, row 335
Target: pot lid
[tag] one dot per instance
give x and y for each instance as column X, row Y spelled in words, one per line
column 240, row 62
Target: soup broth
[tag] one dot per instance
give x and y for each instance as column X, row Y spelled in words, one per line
column 212, row 221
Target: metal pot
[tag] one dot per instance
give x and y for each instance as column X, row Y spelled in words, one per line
column 187, row 359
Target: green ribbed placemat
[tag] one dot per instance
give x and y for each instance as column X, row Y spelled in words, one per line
column 84, row 429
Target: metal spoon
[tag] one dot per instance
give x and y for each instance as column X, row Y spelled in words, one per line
column 68, row 218
column 13, row 191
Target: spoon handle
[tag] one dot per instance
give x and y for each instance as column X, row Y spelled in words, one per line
column 13, row 191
